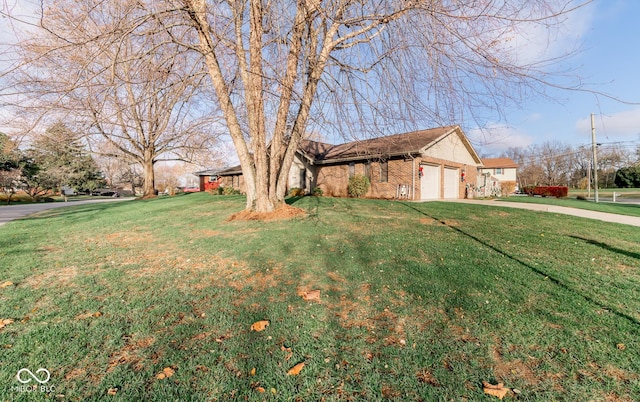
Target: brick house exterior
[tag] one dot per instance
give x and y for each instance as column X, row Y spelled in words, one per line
column 438, row 163
column 212, row 179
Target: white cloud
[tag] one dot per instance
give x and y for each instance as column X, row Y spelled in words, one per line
column 495, row 138
column 624, row 125
column 533, row 42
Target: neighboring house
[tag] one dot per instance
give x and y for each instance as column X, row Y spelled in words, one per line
column 497, row 177
column 230, row 177
column 209, row 179
column 438, row 163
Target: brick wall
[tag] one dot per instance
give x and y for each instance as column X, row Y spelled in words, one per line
column 235, row 181
column 334, row 179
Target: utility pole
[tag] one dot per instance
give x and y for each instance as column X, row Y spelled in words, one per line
column 595, row 157
column 589, row 180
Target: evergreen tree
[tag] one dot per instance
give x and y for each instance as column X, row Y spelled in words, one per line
column 10, row 172
column 63, row 161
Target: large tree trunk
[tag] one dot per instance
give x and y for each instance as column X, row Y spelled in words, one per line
column 149, row 185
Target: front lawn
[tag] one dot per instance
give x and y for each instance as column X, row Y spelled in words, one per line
column 154, row 300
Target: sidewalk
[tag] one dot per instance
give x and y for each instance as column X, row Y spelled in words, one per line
column 583, row 213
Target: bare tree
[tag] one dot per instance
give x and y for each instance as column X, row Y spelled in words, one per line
column 580, row 165
column 282, row 68
column 377, row 63
column 133, row 87
column 550, row 163
column 611, row 157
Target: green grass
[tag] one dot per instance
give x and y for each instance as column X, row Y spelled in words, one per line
column 608, row 192
column 420, row 301
column 614, row 208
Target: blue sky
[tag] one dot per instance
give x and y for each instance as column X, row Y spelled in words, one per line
column 609, row 34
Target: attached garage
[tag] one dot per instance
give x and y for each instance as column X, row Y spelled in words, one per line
column 430, row 182
column 451, row 183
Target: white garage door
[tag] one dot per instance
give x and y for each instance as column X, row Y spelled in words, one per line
column 451, row 183
column 430, row 182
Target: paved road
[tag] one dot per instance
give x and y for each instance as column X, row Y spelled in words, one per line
column 9, row 213
column 602, row 216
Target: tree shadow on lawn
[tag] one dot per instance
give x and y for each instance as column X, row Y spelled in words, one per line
column 608, row 247
column 538, row 271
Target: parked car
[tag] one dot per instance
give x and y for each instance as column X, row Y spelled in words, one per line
column 107, row 193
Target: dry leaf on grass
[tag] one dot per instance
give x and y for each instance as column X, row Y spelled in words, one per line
column 621, row 346
column 287, row 351
column 112, row 391
column 312, row 295
column 166, row 373
column 260, row 390
column 5, row 322
column 499, row 391
column 6, row 284
column 88, row 315
column 259, row 325
column 252, row 372
column 295, row 370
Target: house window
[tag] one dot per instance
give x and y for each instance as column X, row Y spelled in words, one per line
column 499, row 170
column 352, row 169
column 384, row 172
column 213, row 179
column 367, row 170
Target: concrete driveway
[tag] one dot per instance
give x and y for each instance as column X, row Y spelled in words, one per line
column 583, row 213
column 9, row 213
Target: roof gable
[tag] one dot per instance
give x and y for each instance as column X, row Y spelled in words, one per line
column 412, row 143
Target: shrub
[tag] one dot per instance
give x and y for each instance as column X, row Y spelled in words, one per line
column 547, row 191
column 528, row 190
column 507, row 188
column 230, row 191
column 317, row 192
column 296, row 192
column 358, row 185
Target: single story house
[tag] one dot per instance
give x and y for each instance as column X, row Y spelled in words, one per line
column 498, row 176
column 438, row 163
column 229, row 177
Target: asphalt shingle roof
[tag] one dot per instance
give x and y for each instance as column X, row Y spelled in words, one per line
column 397, row 144
column 491, row 163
